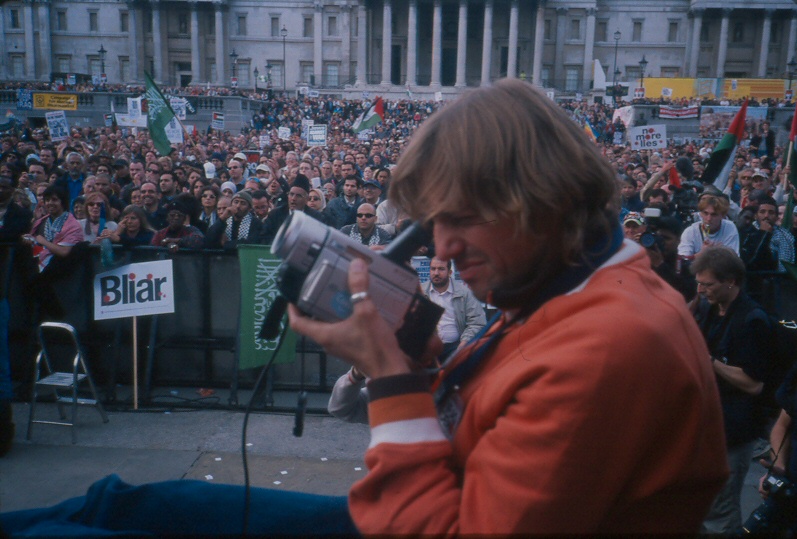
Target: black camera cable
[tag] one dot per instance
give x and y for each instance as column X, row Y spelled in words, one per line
column 261, row 377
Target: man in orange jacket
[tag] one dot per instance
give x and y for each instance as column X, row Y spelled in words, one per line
column 589, row 405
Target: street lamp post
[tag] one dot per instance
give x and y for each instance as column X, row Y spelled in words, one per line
column 234, row 61
column 617, row 36
column 792, row 68
column 102, row 53
column 268, row 75
column 643, row 65
column 257, row 74
column 284, row 34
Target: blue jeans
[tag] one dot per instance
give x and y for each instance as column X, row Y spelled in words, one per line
column 187, row 508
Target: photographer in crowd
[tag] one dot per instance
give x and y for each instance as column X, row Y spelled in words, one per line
column 737, row 333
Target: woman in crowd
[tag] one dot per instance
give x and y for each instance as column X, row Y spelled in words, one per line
column 209, row 198
column 198, row 186
column 55, row 233
column 133, row 230
column 97, row 219
column 79, row 207
column 316, row 199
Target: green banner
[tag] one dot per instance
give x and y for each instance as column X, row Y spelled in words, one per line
column 258, row 290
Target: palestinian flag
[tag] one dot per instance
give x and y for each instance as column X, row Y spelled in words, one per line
column 721, row 161
column 791, row 160
column 370, row 117
column 159, row 114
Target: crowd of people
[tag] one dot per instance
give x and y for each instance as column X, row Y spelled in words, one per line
column 718, row 246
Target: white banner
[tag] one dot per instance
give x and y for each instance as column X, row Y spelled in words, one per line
column 217, row 120
column 284, row 133
column 59, row 128
column 174, row 132
column 134, row 290
column 648, row 137
column 125, row 120
column 317, row 135
column 134, row 107
column 178, row 105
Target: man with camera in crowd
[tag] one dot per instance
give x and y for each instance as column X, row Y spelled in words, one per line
column 526, row 419
column 587, row 406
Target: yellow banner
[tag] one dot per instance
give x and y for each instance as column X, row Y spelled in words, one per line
column 55, row 101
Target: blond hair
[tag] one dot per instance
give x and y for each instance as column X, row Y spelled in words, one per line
column 508, row 151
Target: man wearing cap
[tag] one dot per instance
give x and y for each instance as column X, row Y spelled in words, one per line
column 264, row 175
column 297, row 201
column 365, row 230
column 371, row 192
column 177, row 232
column 634, row 226
column 341, row 211
column 242, row 226
column 217, row 159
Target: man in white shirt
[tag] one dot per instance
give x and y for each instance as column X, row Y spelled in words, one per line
column 712, row 229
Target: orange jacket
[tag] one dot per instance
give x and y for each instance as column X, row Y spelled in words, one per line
column 598, row 414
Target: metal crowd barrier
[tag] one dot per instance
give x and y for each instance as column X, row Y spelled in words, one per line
column 196, row 346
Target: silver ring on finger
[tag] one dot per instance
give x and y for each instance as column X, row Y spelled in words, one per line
column 357, row 297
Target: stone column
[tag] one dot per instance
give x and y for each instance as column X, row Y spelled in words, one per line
column 437, row 43
column 134, row 41
column 196, row 47
column 487, row 42
column 723, row 48
column 4, row 71
column 765, row 34
column 221, row 37
column 30, row 43
column 387, row 41
column 45, row 43
column 792, row 37
column 345, row 45
column 589, row 50
column 157, row 43
column 697, row 22
column 462, row 44
column 412, row 43
column 539, row 43
column 559, row 51
column 318, row 43
column 362, row 44
column 511, row 63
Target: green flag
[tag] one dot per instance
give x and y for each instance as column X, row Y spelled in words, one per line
column 159, row 115
column 258, row 290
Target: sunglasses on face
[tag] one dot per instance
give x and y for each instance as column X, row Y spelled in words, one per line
column 315, row 199
column 365, row 215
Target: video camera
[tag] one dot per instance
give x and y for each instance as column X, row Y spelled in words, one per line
column 650, row 239
column 314, row 276
column 777, row 513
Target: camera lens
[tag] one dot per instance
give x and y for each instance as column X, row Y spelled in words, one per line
column 648, row 240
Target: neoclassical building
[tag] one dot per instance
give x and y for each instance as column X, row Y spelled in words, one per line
column 420, row 45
